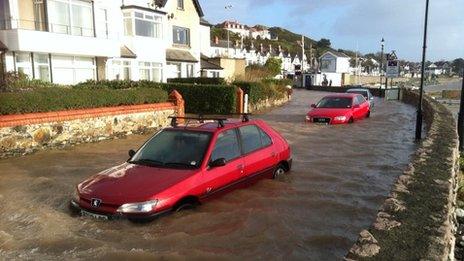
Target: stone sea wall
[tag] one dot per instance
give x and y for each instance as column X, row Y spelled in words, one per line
column 268, row 103
column 26, row 133
column 418, row 220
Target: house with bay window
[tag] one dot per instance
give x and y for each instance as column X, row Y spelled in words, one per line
column 70, row 41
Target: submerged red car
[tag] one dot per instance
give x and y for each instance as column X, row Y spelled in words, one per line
column 339, row 108
column 182, row 166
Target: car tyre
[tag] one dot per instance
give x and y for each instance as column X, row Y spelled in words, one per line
column 279, row 172
column 186, row 206
column 350, row 120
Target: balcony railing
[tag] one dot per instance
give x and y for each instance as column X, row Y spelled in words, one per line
column 50, row 27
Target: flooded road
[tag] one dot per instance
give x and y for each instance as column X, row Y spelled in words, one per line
column 340, row 178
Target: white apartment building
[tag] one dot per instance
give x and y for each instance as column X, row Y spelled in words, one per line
column 70, row 41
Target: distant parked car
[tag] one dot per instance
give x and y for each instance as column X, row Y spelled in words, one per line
column 339, row 109
column 182, row 166
column 366, row 93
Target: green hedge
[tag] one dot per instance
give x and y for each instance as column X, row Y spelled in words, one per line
column 260, row 91
column 206, row 99
column 59, row 98
column 199, row 80
column 283, row 82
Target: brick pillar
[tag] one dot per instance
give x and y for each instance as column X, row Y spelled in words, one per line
column 177, row 99
column 239, row 107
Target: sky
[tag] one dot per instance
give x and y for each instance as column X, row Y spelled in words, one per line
column 358, row 24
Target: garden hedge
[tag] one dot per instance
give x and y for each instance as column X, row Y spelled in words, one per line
column 206, row 99
column 199, row 80
column 60, row 98
column 258, row 91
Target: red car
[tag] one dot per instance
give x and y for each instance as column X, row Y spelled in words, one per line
column 339, row 108
column 182, row 166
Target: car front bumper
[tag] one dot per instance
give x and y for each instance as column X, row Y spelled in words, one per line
column 77, row 209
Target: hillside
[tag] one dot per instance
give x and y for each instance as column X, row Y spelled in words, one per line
column 288, row 40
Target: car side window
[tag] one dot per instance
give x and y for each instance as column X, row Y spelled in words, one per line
column 265, row 139
column 226, row 146
column 361, row 99
column 251, row 138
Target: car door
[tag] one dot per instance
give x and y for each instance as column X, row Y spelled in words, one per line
column 260, row 156
column 217, row 179
column 356, row 108
column 364, row 105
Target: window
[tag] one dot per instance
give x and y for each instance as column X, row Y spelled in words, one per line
column 71, row 17
column 180, row 4
column 251, row 138
column 24, row 64
column 176, row 69
column 190, row 68
column 151, row 71
column 265, row 139
column 42, row 67
column 72, row 70
column 121, row 70
column 143, row 24
column 226, row 147
column 215, row 74
column 103, row 23
column 174, row 149
column 181, row 35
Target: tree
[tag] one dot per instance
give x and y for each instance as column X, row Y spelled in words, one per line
column 458, row 65
column 323, row 43
column 273, row 65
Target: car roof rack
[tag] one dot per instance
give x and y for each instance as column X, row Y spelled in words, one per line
column 199, row 118
column 220, row 119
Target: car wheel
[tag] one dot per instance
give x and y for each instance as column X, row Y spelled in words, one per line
column 186, row 206
column 279, row 172
column 351, row 120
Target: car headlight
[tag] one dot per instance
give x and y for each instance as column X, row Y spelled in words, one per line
column 140, row 207
column 340, row 118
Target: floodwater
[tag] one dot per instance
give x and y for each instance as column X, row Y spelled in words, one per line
column 340, row 178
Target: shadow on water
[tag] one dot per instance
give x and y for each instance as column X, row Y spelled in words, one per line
column 341, row 176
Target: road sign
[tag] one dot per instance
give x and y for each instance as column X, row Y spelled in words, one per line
column 393, row 69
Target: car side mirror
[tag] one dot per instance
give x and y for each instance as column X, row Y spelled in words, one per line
column 313, row 106
column 218, row 163
column 131, row 153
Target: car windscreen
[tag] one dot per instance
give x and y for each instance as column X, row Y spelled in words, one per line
column 335, row 102
column 174, row 149
column 363, row 93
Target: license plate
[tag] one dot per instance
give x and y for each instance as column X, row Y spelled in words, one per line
column 323, row 121
column 92, row 215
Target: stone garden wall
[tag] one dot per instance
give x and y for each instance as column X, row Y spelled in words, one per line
column 26, row 133
column 417, row 221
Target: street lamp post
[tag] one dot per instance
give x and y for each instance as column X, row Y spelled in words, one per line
column 424, row 49
column 228, row 8
column 381, row 62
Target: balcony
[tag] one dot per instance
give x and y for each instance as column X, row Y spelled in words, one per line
column 35, row 36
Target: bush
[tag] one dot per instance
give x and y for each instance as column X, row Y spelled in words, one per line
column 206, row 99
column 60, row 98
column 258, row 91
column 14, row 82
column 199, row 80
column 283, row 82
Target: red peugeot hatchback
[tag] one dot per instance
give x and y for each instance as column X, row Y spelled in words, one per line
column 182, row 166
column 339, row 108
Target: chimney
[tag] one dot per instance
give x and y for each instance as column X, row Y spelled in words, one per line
column 216, row 40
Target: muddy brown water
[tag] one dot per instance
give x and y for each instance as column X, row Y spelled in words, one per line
column 341, row 176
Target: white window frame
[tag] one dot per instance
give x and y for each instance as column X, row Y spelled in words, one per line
column 75, row 66
column 27, row 65
column 70, row 28
column 157, row 20
column 178, row 67
column 151, row 67
column 37, row 64
column 190, row 70
column 117, row 67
